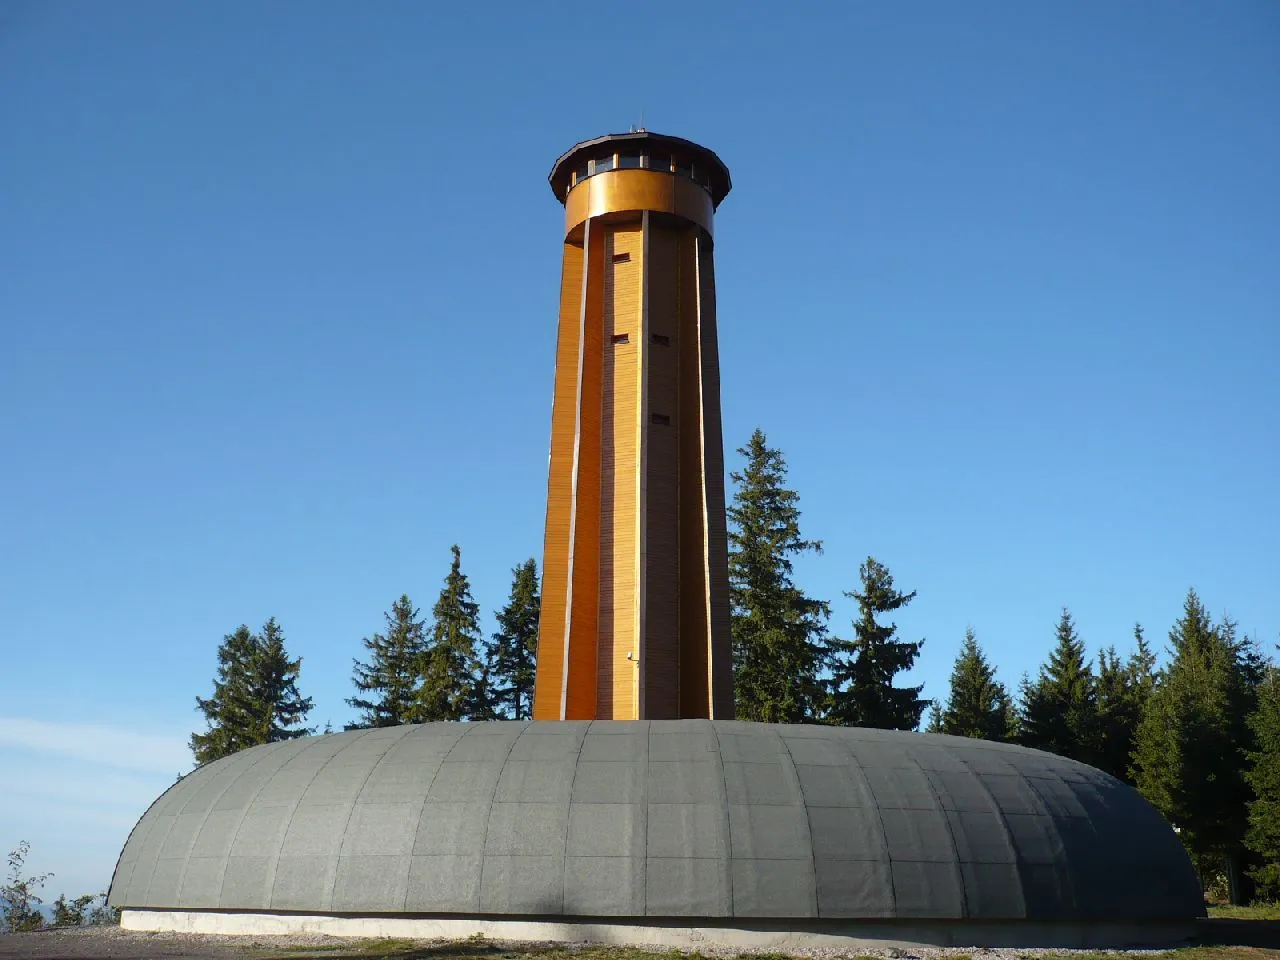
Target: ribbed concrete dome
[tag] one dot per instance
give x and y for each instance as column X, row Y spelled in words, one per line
column 696, row 818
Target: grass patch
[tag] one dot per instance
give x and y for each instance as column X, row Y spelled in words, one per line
column 384, row 947
column 320, row 949
column 324, row 948
column 1256, row 911
column 390, row 947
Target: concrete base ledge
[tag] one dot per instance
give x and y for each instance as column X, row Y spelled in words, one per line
column 733, row 934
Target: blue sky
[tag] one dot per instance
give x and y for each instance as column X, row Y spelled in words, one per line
column 277, row 317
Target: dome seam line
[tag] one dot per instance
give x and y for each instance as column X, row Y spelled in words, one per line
column 951, row 837
column 346, row 827
column 813, row 858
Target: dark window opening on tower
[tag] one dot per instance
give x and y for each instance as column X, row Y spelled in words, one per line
column 622, row 257
column 622, row 338
column 661, row 339
column 661, row 162
column 660, row 418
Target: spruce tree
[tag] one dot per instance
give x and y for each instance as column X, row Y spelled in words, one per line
column 1142, row 663
column 389, row 680
column 453, row 687
column 278, row 709
column 255, row 695
column 777, row 630
column 514, row 647
column 227, row 712
column 1116, row 718
column 978, row 706
column 1263, row 836
column 1190, row 753
column 1123, row 689
column 862, row 693
column 935, row 717
column 483, row 701
column 1059, row 708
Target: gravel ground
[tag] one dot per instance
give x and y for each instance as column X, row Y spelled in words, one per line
column 91, row 943
column 111, row 942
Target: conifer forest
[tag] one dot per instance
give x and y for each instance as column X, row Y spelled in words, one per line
column 1196, row 730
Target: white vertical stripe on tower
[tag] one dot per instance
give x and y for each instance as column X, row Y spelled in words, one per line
column 577, row 443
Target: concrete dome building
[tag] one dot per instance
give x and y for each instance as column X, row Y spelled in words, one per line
column 676, row 832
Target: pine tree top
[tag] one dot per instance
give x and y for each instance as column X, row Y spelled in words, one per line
column 765, row 513
column 455, row 611
column 777, row 629
column 455, row 684
column 255, row 695
column 1191, row 632
column 978, row 704
column 393, row 671
column 863, row 667
column 511, row 657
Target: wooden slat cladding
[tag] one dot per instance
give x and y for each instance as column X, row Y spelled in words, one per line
column 670, row 271
column 584, row 588
column 720, row 650
column 555, row 548
column 619, row 454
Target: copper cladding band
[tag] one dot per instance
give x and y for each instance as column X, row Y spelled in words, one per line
column 619, row 191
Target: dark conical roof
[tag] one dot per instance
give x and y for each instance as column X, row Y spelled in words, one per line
column 720, row 181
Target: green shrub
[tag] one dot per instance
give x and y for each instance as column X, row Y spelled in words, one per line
column 19, row 904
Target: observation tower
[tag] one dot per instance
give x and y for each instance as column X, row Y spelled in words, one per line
column 635, row 592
